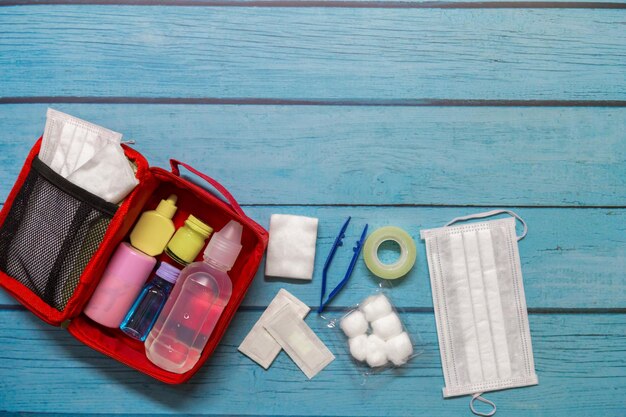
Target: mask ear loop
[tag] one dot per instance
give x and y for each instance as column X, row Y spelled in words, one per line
column 478, row 397
column 489, row 214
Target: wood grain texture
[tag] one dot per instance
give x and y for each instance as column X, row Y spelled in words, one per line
column 367, row 155
column 367, row 150
column 438, row 4
column 319, row 53
column 567, row 253
column 63, row 376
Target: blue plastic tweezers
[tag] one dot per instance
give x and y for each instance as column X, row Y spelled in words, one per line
column 339, row 242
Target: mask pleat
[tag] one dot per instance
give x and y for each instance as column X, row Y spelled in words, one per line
column 63, row 159
column 465, row 310
column 494, row 304
column 454, row 369
column 50, row 141
column 508, row 301
column 479, row 305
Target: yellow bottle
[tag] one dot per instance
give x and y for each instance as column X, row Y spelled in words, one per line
column 155, row 228
column 188, row 240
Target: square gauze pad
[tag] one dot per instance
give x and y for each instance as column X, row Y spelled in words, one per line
column 291, row 248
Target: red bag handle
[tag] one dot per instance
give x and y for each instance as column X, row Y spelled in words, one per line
column 219, row 187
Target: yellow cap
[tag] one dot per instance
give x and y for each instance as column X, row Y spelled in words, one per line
column 188, row 240
column 199, row 226
column 167, row 208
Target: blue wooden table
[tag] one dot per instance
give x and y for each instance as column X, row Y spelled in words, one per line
column 394, row 112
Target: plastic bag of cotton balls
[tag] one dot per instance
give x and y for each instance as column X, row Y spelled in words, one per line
column 375, row 333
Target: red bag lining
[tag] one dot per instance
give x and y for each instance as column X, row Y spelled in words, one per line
column 192, row 199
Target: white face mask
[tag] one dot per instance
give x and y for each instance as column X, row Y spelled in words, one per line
column 88, row 155
column 69, row 142
column 108, row 175
column 480, row 307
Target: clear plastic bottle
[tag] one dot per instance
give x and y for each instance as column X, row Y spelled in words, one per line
column 201, row 293
column 144, row 312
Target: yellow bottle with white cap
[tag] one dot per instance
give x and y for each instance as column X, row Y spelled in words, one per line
column 155, row 228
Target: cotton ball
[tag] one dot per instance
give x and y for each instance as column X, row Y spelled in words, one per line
column 387, row 327
column 354, row 324
column 399, row 349
column 376, row 355
column 358, row 347
column 375, row 307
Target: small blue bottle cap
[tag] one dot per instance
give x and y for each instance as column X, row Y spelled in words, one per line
column 168, row 272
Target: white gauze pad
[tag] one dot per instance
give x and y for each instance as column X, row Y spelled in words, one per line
column 299, row 341
column 258, row 344
column 399, row 349
column 291, row 248
column 375, row 307
column 388, row 326
column 354, row 324
column 376, row 355
column 358, row 347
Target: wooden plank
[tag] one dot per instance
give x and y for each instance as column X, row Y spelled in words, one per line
column 367, row 155
column 439, row 4
column 579, row 358
column 567, row 253
column 312, row 53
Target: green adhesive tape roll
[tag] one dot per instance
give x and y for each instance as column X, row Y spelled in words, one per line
column 408, row 252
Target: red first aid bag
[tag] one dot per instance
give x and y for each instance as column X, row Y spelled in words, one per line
column 56, row 240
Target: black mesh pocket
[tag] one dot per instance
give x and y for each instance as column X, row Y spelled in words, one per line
column 51, row 232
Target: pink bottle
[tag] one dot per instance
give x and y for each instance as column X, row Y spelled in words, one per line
column 201, row 293
column 121, row 282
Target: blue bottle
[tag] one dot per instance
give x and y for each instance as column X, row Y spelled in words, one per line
column 144, row 312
